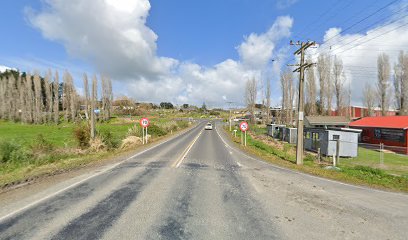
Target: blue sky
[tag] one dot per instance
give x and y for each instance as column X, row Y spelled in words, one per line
column 182, row 51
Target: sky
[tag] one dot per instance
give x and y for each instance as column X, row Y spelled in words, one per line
column 192, row 52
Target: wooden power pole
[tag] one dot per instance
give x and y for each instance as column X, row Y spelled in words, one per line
column 301, row 69
column 230, row 116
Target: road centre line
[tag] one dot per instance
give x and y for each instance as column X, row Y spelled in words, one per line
column 177, row 163
column 88, row 178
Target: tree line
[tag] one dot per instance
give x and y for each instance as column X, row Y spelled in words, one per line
column 391, row 86
column 31, row 98
column 330, row 88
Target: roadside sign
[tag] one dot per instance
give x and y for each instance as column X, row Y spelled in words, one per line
column 244, row 126
column 144, row 122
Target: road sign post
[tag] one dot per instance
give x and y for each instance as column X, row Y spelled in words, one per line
column 144, row 123
column 244, row 128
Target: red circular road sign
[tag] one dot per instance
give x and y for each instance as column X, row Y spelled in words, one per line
column 244, row 126
column 144, row 122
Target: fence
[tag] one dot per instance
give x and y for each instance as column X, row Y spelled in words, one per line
column 391, row 159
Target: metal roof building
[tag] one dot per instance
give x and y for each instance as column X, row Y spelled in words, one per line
column 389, row 130
column 326, row 121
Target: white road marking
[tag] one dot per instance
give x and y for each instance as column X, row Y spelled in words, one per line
column 84, row 180
column 180, row 160
column 308, row 175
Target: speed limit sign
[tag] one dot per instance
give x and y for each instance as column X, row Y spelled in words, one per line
column 144, row 122
column 244, row 126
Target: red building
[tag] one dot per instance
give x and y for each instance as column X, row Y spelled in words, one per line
column 389, row 130
column 358, row 112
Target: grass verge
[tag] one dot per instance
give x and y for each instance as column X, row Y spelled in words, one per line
column 357, row 175
column 53, row 158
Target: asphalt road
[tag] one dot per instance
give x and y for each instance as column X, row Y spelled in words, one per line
column 197, row 186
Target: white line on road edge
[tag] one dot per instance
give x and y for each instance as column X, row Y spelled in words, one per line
column 86, row 179
column 308, row 175
column 180, row 160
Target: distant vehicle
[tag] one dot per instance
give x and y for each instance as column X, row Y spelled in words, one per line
column 209, row 126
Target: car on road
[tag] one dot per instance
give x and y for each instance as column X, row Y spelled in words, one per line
column 209, row 126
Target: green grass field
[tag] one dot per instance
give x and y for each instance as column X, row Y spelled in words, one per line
column 361, row 170
column 395, row 164
column 59, row 135
column 28, row 151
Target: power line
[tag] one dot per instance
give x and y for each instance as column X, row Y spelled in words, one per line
column 363, row 19
column 316, row 26
column 403, row 25
column 348, row 43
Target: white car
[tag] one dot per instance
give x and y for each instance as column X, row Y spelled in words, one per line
column 209, row 126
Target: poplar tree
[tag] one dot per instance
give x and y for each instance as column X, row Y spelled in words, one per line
column 56, row 98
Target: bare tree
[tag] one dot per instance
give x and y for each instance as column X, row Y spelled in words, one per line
column 38, row 98
column 3, row 89
column 288, row 96
column 339, row 78
column 56, row 98
column 250, row 96
column 325, row 92
column 22, row 104
column 93, row 104
column 70, row 98
column 30, row 98
column 268, row 101
column 13, row 95
column 311, row 92
column 48, row 96
column 284, row 90
column 292, row 95
column 369, row 97
column 401, row 83
column 383, row 65
column 86, row 93
column 107, row 97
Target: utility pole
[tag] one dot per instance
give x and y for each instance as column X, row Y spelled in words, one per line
column 301, row 69
column 230, row 115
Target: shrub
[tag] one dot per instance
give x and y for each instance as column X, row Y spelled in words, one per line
column 6, row 149
column 41, row 145
column 96, row 144
column 168, row 126
column 182, row 124
column 135, row 130
column 11, row 151
column 155, row 130
column 109, row 140
column 130, row 141
column 82, row 135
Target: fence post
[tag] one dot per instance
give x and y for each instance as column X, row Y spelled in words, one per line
column 318, row 155
column 337, row 151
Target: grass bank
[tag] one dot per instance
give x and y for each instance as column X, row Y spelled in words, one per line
column 28, row 152
column 350, row 173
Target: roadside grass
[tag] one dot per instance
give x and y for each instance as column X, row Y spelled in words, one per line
column 354, row 174
column 30, row 151
column 394, row 164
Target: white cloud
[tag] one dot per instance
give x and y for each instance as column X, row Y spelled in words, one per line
column 361, row 61
column 112, row 35
column 5, row 68
column 257, row 50
column 114, row 38
column 282, row 4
